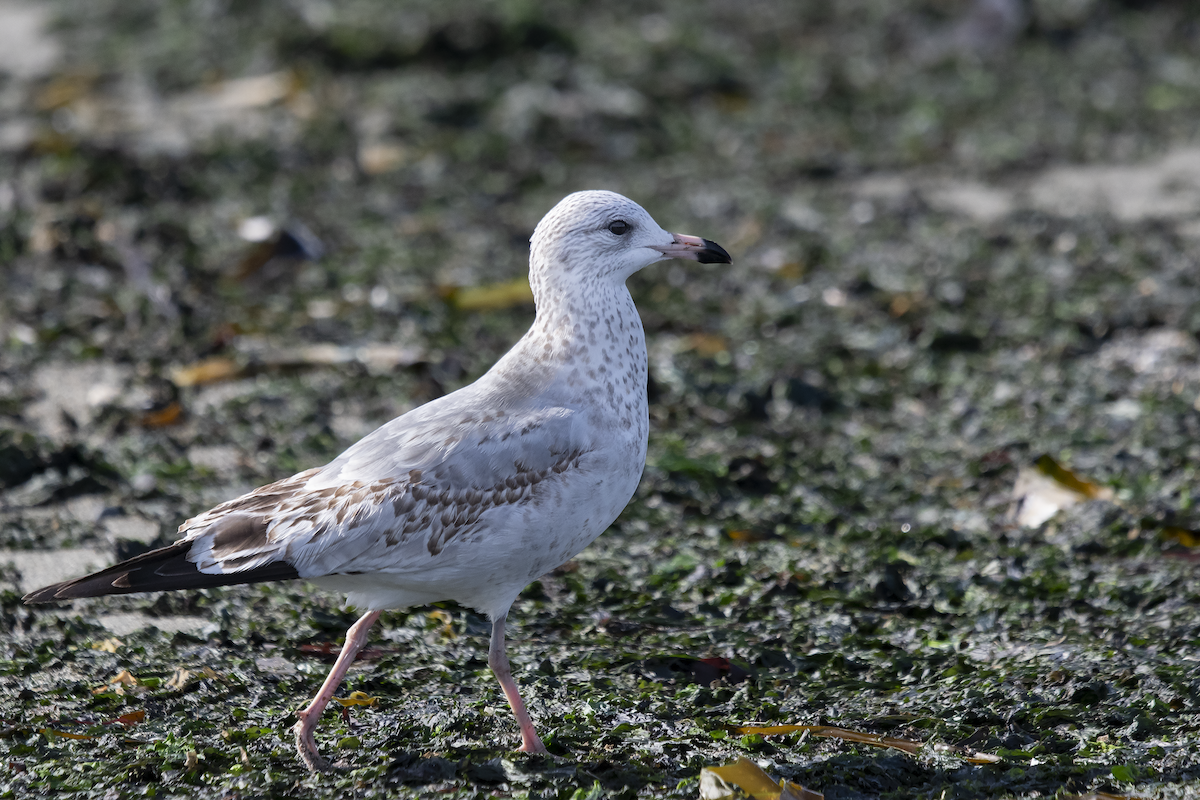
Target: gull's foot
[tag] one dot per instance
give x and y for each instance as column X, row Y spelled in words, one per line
column 306, row 747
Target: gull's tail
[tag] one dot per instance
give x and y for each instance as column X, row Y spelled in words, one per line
column 164, row 569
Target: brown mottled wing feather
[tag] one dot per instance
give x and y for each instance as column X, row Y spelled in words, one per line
column 396, row 498
column 163, row 569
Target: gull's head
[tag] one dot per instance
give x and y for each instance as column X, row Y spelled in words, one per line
column 597, row 235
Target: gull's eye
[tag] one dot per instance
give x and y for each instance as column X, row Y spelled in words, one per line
column 620, row 227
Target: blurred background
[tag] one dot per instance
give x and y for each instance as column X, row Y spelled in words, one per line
column 941, row 416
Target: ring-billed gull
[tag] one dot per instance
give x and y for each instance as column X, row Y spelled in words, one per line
column 473, row 495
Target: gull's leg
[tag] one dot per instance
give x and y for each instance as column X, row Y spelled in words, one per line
column 356, row 637
column 498, row 661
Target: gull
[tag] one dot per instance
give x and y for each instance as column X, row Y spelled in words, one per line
column 474, row 495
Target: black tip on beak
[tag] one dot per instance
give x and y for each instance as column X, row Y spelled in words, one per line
column 694, row 248
column 713, row 253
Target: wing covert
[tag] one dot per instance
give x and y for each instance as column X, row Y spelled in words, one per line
column 398, row 496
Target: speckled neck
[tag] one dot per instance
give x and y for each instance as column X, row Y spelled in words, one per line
column 587, row 342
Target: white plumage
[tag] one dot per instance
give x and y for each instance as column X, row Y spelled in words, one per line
column 474, row 495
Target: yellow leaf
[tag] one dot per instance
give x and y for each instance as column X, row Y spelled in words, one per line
column 179, row 680
column 794, row 791
column 357, row 699
column 64, row 734
column 132, row 718
column 210, row 370
column 750, row 535
column 1182, row 536
column 161, row 418
column 1072, row 480
column 124, row 677
column 770, row 730
column 117, row 683
column 983, row 758
column 858, row 737
column 110, row 645
column 492, row 297
column 1047, row 487
column 743, row 775
column 707, row 344
column 444, row 617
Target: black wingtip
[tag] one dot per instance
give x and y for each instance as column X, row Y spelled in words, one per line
column 713, row 253
column 164, row 569
column 43, row 595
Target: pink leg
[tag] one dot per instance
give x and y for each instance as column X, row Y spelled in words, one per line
column 498, row 661
column 356, row 637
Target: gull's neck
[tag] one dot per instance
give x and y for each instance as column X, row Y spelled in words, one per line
column 586, row 345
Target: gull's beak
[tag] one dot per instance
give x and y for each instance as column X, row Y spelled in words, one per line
column 695, row 248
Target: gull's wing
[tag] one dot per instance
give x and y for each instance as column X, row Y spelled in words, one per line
column 397, row 497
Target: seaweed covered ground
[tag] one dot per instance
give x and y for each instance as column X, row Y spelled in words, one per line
column 923, row 461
